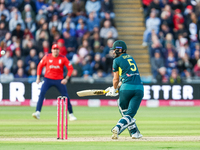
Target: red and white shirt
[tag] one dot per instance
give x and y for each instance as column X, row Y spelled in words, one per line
column 54, row 66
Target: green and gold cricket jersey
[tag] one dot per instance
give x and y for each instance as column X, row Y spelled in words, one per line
column 128, row 72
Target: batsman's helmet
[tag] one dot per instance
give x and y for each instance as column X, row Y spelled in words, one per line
column 117, row 45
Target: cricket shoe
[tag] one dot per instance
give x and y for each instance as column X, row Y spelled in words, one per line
column 137, row 135
column 72, row 117
column 115, row 132
column 36, row 115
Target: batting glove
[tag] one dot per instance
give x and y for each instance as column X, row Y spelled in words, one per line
column 112, row 91
column 107, row 90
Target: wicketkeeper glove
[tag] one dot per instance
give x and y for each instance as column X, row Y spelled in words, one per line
column 111, row 91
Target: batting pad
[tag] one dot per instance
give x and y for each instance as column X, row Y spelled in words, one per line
column 124, row 122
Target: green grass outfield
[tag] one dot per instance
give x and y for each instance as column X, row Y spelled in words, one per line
column 163, row 128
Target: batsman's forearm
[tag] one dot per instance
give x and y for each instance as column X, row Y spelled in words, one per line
column 115, row 83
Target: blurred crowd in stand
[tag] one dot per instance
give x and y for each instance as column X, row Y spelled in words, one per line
column 84, row 30
column 172, row 36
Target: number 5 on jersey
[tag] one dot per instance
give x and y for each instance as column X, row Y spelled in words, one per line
column 132, row 64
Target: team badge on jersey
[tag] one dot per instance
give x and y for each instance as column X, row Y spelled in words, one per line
column 50, row 61
column 59, row 61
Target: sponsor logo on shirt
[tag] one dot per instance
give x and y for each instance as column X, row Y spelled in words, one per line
column 54, row 67
column 129, row 75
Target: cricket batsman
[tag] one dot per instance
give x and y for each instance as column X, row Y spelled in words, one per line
column 127, row 81
column 54, row 64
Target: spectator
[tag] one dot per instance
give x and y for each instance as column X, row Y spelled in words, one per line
column 108, row 31
column 70, row 22
column 25, row 2
column 83, row 50
column 30, row 25
column 195, row 58
column 77, row 72
column 98, row 74
column 54, row 3
column 80, row 32
column 16, row 21
column 78, row 8
column 17, row 56
column 170, row 63
column 80, row 22
column 167, row 17
column 157, row 62
column 6, row 77
column 40, row 16
column 106, row 49
column 184, row 66
column 107, row 17
column 86, row 67
column 19, row 64
column 3, row 19
column 169, row 49
column 45, row 47
column 7, row 39
column 154, row 5
column 7, row 59
column 43, row 28
column 25, row 41
column 30, row 45
column 175, row 77
column 41, row 55
column 107, row 6
column 97, row 64
column 197, row 69
column 176, row 5
column 96, row 43
column 152, row 23
column 20, row 74
column 27, row 32
column 1, row 67
column 108, row 62
column 187, row 14
column 180, row 42
column 62, row 48
column 92, row 21
column 4, row 11
column 177, row 19
column 40, row 4
column 70, row 44
column 65, row 8
column 13, row 3
column 28, row 12
column 31, row 67
column 33, row 76
column 156, row 46
column 31, row 57
column 193, row 28
column 14, row 11
column 42, row 38
column 55, row 22
column 3, row 31
column 50, row 12
column 93, row 6
column 68, row 28
column 181, row 31
column 164, row 31
column 18, row 32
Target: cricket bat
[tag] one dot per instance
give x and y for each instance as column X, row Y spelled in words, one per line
column 91, row 92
